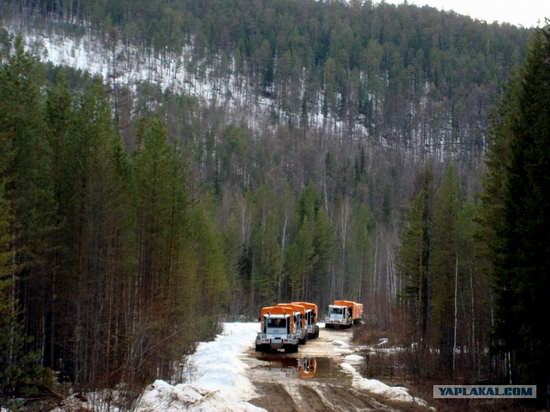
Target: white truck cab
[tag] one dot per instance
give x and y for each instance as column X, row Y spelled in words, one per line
column 300, row 320
column 338, row 315
column 344, row 313
column 278, row 330
column 311, row 318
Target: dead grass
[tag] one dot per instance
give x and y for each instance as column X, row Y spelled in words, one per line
column 419, row 372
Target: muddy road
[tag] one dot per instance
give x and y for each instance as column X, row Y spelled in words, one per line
column 312, row 379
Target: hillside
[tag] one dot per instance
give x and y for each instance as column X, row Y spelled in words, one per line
column 405, row 77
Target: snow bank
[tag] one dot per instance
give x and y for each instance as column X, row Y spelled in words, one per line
column 161, row 396
column 341, row 347
column 217, row 364
column 216, row 377
column 395, row 393
column 354, row 359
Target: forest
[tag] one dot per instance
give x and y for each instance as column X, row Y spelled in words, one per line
column 132, row 221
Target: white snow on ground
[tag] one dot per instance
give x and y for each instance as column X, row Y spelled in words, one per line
column 395, row 393
column 372, row 385
column 341, row 347
column 98, row 401
column 353, row 359
column 217, row 377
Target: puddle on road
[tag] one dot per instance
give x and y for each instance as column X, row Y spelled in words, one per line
column 276, row 367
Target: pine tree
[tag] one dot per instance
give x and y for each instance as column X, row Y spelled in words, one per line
column 300, row 259
column 324, row 249
column 211, row 274
column 24, row 219
column 444, row 263
column 414, row 257
column 522, row 268
column 267, row 263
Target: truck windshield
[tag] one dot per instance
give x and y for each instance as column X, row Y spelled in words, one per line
column 336, row 311
column 276, row 323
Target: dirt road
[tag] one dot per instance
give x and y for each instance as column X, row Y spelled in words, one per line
column 310, row 380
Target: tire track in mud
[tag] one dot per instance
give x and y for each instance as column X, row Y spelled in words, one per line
column 310, row 380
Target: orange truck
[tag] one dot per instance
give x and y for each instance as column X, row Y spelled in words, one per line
column 278, row 329
column 343, row 313
column 299, row 319
column 312, row 314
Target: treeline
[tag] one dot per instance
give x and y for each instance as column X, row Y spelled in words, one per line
column 476, row 274
column 107, row 265
column 446, row 298
column 402, row 75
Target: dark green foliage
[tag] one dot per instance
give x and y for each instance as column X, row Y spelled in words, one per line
column 310, row 255
column 415, row 260
column 446, row 299
column 26, row 212
column 520, row 249
column 107, row 272
column 444, row 260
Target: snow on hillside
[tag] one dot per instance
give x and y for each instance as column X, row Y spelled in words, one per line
column 179, row 73
column 216, row 378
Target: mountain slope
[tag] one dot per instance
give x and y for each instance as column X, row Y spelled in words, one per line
column 406, row 77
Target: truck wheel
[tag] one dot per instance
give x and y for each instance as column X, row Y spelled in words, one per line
column 293, row 348
column 328, row 326
column 316, row 332
column 259, row 348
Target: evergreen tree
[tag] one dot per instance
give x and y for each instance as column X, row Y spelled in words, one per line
column 522, row 267
column 414, row 262
column 211, row 274
column 24, row 219
column 324, row 250
column 444, row 263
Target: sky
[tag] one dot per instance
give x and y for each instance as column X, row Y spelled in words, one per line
column 526, row 13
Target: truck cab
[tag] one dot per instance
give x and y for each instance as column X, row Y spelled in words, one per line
column 277, row 329
column 344, row 313
column 338, row 316
column 300, row 320
column 311, row 318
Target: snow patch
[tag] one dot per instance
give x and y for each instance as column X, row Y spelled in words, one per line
column 215, row 377
column 382, row 341
column 211, row 81
column 354, row 359
column 161, row 396
column 218, row 364
column 395, row 393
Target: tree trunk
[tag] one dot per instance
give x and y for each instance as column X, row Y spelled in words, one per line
column 455, row 313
